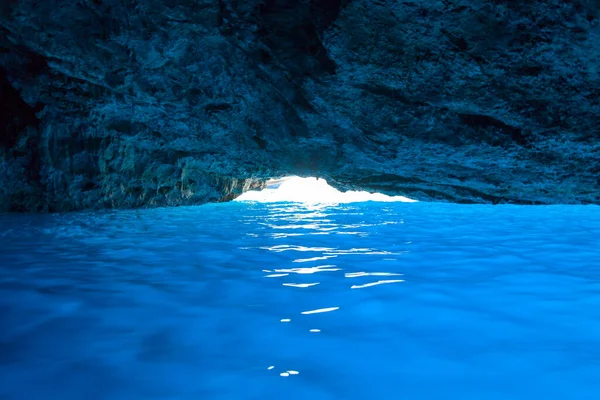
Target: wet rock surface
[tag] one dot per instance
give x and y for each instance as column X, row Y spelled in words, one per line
column 122, row 103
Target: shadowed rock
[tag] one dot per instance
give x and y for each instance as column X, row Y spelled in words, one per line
column 122, row 103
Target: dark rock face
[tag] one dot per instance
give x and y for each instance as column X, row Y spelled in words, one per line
column 124, row 103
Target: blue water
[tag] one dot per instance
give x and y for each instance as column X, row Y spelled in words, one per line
column 472, row 302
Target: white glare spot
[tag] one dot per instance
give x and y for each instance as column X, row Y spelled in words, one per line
column 271, row 367
column 310, row 270
column 284, row 374
column 376, row 283
column 320, row 310
column 315, row 330
column 292, row 372
column 357, row 274
column 300, row 285
column 286, row 320
column 312, row 259
column 312, row 191
column 275, row 275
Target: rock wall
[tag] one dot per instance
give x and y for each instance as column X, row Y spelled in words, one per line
column 125, row 103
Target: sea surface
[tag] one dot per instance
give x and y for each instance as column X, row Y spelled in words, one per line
column 289, row 301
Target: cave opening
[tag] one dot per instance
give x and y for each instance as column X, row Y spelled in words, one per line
column 312, row 190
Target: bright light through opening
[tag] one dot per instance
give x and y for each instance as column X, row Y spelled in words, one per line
column 312, row 190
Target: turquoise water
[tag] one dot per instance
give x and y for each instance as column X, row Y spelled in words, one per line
column 378, row 301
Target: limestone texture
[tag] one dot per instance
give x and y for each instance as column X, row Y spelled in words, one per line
column 132, row 103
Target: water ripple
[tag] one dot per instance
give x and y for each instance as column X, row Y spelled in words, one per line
column 324, row 302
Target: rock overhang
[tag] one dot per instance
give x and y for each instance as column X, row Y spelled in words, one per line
column 129, row 104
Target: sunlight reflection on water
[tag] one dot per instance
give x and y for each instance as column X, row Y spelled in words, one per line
column 358, row 301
